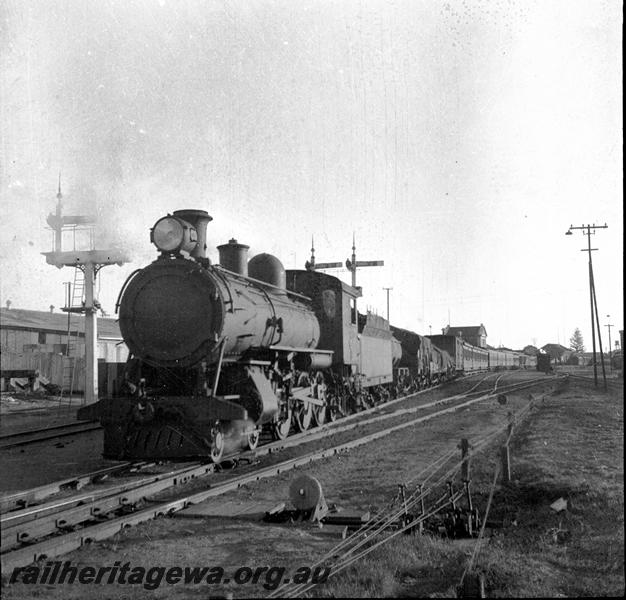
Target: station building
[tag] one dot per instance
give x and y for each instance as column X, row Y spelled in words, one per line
column 476, row 335
column 558, row 354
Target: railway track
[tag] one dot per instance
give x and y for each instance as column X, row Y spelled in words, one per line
column 60, row 526
column 28, row 497
column 20, row 500
column 370, row 417
column 611, row 384
column 33, row 436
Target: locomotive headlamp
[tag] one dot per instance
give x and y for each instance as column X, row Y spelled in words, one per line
column 172, row 234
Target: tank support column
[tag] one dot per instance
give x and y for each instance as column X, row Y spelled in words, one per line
column 91, row 335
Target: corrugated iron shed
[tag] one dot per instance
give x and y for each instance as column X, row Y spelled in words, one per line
column 35, row 320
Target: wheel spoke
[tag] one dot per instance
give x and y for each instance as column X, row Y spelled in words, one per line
column 319, row 415
column 303, row 416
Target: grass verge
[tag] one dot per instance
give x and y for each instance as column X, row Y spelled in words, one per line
column 570, row 447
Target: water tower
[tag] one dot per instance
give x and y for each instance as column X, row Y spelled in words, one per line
column 87, row 263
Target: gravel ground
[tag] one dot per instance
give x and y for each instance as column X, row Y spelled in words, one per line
column 24, row 467
column 51, row 460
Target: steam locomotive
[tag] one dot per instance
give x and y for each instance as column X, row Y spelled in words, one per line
column 221, row 353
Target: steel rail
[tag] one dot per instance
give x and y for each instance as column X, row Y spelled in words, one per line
column 62, row 544
column 37, row 435
column 339, row 426
column 615, row 384
column 24, row 498
column 18, row 526
column 44, row 520
column 16, row 530
column 16, row 517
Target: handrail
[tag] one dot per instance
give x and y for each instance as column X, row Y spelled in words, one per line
column 119, row 296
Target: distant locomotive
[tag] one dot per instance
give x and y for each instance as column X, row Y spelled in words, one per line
column 544, row 362
column 220, row 353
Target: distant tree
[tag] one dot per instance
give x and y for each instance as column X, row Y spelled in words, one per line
column 572, row 359
column 576, row 342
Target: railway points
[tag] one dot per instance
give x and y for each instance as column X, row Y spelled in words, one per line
column 17, row 528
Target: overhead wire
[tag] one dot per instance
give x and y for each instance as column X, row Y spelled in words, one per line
column 469, row 566
column 382, row 523
column 386, row 517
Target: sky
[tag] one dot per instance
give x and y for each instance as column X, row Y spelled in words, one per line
column 457, row 141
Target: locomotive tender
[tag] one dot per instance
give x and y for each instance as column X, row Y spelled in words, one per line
column 219, row 353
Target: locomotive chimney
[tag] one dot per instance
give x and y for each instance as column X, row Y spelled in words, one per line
column 199, row 219
column 234, row 257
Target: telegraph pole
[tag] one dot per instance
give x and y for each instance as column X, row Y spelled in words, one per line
column 588, row 230
column 387, row 290
column 608, row 326
column 595, row 300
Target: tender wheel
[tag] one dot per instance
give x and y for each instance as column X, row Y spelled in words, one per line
column 335, row 408
column 217, row 444
column 319, row 415
column 281, row 429
column 303, row 415
column 252, row 440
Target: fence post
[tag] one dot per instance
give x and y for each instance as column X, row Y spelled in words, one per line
column 509, row 428
column 473, row 586
column 505, row 463
column 505, row 456
column 422, row 511
column 465, row 457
